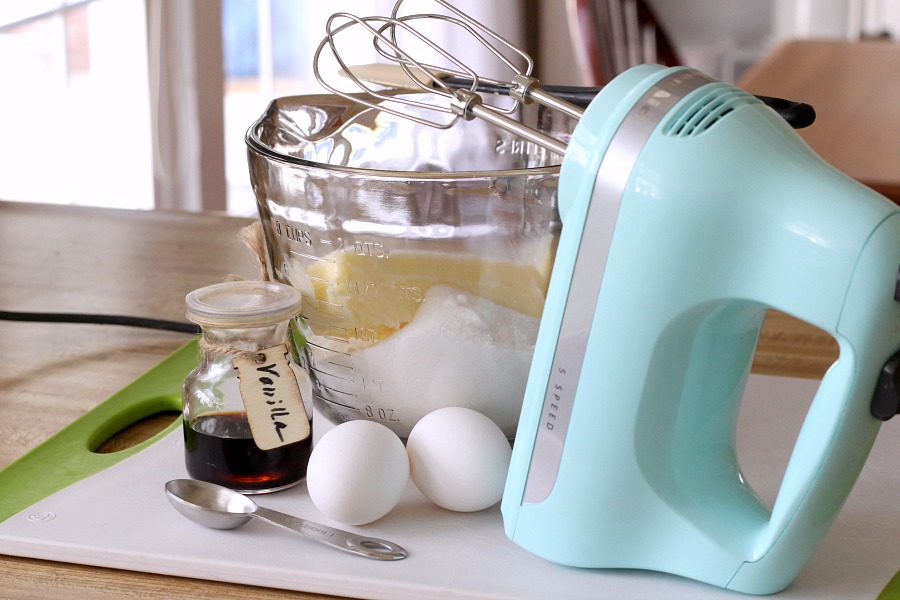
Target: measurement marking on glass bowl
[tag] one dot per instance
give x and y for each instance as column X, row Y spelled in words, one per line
column 319, row 324
column 326, row 348
column 330, row 401
column 329, row 374
column 331, row 305
column 341, row 365
column 337, row 391
column 310, row 256
column 322, row 279
column 340, row 330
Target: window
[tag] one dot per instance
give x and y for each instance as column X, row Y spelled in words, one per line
column 268, row 47
column 144, row 103
column 74, row 111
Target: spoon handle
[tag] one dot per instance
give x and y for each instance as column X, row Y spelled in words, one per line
column 368, row 547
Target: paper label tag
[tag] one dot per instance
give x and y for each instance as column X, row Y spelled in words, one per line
column 272, row 398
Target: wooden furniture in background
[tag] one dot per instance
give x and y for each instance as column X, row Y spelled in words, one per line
column 855, row 89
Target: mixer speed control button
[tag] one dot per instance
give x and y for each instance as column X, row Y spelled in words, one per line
column 897, row 287
column 886, row 400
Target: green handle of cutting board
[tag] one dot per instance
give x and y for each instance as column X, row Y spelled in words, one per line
column 69, row 456
column 892, row 590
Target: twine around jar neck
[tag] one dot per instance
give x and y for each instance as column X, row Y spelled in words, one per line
column 219, row 348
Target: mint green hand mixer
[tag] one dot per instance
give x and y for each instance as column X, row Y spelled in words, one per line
column 689, row 210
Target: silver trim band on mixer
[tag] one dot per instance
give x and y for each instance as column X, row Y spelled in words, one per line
column 609, row 188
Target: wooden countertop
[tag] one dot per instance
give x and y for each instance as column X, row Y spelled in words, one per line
column 67, row 259
column 855, row 89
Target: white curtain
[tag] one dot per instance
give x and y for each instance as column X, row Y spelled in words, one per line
column 185, row 67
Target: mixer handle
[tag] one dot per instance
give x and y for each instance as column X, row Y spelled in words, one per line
column 840, row 427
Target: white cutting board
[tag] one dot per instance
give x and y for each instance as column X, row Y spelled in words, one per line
column 121, row 518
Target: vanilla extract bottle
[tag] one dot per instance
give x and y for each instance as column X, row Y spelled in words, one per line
column 247, row 424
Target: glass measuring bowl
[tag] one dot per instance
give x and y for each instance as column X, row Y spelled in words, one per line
column 423, row 255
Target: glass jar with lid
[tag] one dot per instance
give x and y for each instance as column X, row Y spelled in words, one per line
column 247, row 424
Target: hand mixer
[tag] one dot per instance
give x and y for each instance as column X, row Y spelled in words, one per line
column 689, row 209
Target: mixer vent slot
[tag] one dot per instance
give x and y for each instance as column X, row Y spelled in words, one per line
column 704, row 112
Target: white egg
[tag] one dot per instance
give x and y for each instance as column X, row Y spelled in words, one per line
column 459, row 458
column 357, row 472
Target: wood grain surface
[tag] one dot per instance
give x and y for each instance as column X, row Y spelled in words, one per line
column 854, row 88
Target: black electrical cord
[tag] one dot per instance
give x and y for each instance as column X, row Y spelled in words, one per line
column 34, row 317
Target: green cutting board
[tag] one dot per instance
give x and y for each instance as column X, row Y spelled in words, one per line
column 70, row 456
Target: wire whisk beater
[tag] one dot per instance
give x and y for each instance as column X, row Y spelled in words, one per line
column 399, row 37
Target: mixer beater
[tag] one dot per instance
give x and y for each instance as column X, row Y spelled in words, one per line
column 391, row 36
column 458, row 84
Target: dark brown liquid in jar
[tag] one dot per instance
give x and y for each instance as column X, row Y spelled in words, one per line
column 219, row 448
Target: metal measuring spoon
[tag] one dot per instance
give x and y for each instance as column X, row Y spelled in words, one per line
column 221, row 508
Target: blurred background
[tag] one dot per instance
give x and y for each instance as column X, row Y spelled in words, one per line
column 143, row 104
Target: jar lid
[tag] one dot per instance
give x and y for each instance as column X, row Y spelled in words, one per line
column 242, row 304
